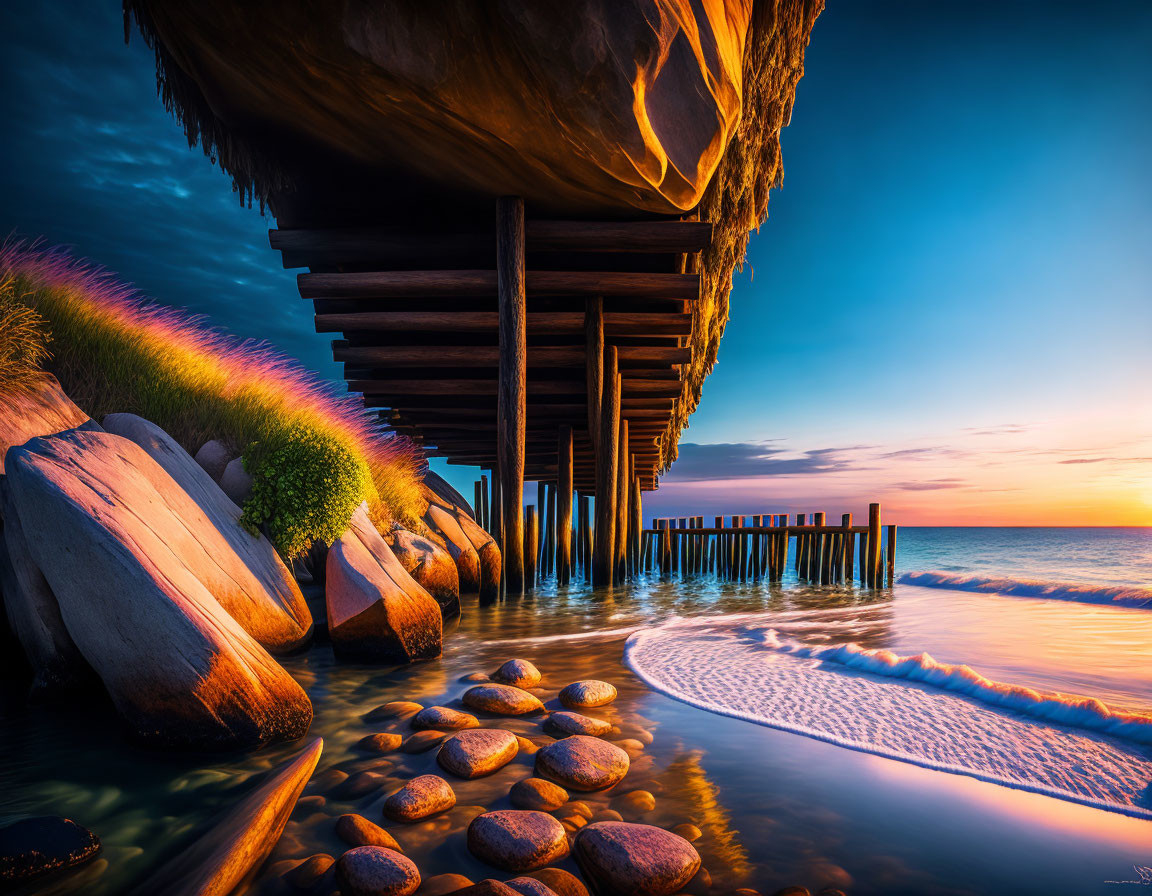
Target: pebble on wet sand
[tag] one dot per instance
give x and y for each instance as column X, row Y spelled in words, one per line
column 529, row 886
column 375, row 871
column 356, row 830
column 689, row 832
column 501, row 699
column 622, row 859
column 583, row 763
column 538, row 794
column 380, row 743
column 518, row 673
column 304, row 875
column 443, row 718
column 397, row 709
column 636, row 802
column 420, row 798
column 568, row 723
column 587, row 694
column 479, row 752
column 561, row 882
column 422, row 741
column 517, row 840
column 34, row 846
column 358, row 785
column 440, row 884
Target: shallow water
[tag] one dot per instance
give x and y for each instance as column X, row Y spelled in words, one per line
column 777, row 808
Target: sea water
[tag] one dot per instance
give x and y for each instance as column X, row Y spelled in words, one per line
column 882, row 768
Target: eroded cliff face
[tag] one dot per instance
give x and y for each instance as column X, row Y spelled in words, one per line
column 599, row 105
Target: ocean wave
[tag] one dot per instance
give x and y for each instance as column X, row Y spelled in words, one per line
column 1113, row 595
column 1063, row 709
column 745, row 672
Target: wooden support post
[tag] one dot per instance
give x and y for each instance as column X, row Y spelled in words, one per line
column 847, row 549
column 622, row 491
column 550, row 529
column 541, row 509
column 798, row 557
column 820, row 552
column 757, row 522
column 721, row 556
column 607, row 459
column 530, row 533
column 477, row 506
column 486, row 514
column 564, row 505
column 586, row 537
column 594, row 362
column 637, row 524
column 891, row 556
column 782, row 547
column 511, row 405
column 874, row 580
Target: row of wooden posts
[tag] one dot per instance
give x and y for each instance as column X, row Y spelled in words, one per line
column 740, row 548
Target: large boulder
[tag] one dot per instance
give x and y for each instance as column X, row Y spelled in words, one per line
column 431, row 565
column 282, row 623
column 491, row 563
column 443, row 522
column 142, row 579
column 58, row 667
column 236, row 845
column 441, row 490
column 40, row 410
column 376, row 611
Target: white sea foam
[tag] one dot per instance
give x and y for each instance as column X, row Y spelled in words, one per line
column 912, row 709
column 1113, row 595
column 1063, row 709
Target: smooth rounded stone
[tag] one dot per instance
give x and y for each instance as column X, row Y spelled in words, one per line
column 460, row 548
column 636, row 802
column 689, row 832
column 517, row 840
column 569, row 723
column 235, row 481
column 573, row 823
column 441, row 884
column 536, row 793
column 631, row 746
column 397, row 709
column 34, row 846
column 304, row 875
column 587, row 694
column 561, row 882
column 487, row 887
column 643, row 735
column 431, row 565
column 529, row 886
column 518, row 673
column 527, row 747
column 356, row 830
column 422, row 742
column 376, row 871
column 358, row 785
column 213, row 457
column 380, row 743
column 306, row 804
column 420, row 798
column 622, row 859
column 583, row 763
column 474, row 678
column 607, row 815
column 793, row 891
column 479, row 752
column 502, row 699
column 443, row 718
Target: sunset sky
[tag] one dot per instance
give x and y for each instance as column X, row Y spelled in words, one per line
column 949, row 309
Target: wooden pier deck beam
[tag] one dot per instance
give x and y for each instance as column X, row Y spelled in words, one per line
column 511, row 408
column 564, row 506
column 607, row 459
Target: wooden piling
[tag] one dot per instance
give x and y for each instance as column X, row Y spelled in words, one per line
column 637, row 524
column 622, row 489
column 847, row 548
column 874, row 580
column 550, row 530
column 486, row 524
column 530, row 535
column 607, row 460
column 891, row 564
column 564, row 505
column 477, row 505
column 586, row 537
column 511, row 406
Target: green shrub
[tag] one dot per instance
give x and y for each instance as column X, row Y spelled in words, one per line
column 24, row 340
column 305, row 486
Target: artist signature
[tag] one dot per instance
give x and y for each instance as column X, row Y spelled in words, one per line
column 1143, row 877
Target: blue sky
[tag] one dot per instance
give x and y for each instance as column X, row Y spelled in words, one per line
column 952, row 294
